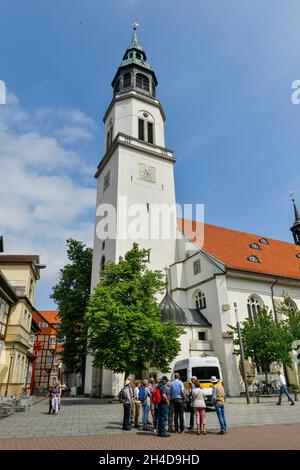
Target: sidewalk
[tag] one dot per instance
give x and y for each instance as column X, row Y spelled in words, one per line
column 285, row 437
column 81, row 416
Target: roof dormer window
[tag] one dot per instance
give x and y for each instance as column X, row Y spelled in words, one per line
column 264, row 241
column 253, row 259
column 255, row 246
column 297, row 255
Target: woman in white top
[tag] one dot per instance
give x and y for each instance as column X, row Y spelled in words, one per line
column 198, row 403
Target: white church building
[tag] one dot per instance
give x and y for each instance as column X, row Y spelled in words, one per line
column 209, row 268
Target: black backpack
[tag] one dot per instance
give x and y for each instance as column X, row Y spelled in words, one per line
column 122, row 396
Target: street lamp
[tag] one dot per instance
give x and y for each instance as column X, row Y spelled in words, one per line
column 242, row 352
column 12, row 353
column 59, row 369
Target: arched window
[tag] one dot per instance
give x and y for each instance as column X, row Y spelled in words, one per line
column 102, row 263
column 142, row 82
column 254, row 304
column 200, row 300
column 127, row 80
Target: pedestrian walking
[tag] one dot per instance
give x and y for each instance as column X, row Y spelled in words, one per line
column 283, row 389
column 218, row 398
column 144, row 397
column 55, row 403
column 199, row 407
column 126, row 399
column 190, row 399
column 58, row 392
column 163, row 408
column 137, row 403
column 177, row 394
column 50, row 396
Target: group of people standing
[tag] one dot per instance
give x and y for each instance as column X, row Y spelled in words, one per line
column 166, row 403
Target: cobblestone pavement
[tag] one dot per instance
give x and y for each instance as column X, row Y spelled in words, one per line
column 284, row 437
column 92, row 417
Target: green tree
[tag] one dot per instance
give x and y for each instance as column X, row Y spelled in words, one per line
column 291, row 316
column 265, row 340
column 71, row 295
column 125, row 331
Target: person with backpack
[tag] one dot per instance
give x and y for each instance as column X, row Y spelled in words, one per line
column 144, row 397
column 163, row 407
column 126, row 398
column 190, row 401
column 155, row 400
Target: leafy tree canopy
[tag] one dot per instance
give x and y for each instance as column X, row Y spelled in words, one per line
column 291, row 316
column 125, row 329
column 71, row 295
column 265, row 340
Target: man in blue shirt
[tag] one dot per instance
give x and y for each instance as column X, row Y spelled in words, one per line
column 178, row 396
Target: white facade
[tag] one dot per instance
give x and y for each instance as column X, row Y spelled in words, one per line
column 137, row 170
column 222, row 288
column 123, row 183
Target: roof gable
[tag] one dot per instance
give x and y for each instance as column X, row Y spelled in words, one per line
column 233, row 248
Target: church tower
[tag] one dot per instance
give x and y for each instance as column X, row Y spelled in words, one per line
column 295, row 228
column 135, row 180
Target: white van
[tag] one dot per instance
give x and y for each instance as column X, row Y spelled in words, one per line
column 202, row 368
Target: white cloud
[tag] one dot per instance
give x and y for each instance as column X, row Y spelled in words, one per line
column 45, row 194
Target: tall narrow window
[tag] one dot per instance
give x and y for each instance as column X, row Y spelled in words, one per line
column 150, row 132
column 254, row 304
column 200, row 300
column 127, row 80
column 109, row 136
column 102, row 263
column 141, row 129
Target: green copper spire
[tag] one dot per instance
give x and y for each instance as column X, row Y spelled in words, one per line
column 134, row 40
column 135, row 72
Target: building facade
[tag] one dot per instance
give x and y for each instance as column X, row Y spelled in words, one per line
column 21, row 273
column 48, row 367
column 209, row 268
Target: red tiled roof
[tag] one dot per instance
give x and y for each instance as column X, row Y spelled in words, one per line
column 38, row 317
column 51, row 316
column 232, row 247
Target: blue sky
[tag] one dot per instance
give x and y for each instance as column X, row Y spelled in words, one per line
column 225, row 69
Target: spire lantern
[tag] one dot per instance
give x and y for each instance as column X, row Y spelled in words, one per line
column 134, row 72
column 295, row 229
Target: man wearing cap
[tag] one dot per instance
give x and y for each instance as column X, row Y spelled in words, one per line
column 163, row 408
column 127, row 405
column 218, row 398
column 192, row 412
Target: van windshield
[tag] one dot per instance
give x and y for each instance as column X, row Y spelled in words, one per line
column 205, row 373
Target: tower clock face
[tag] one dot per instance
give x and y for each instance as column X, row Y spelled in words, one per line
column 147, row 172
